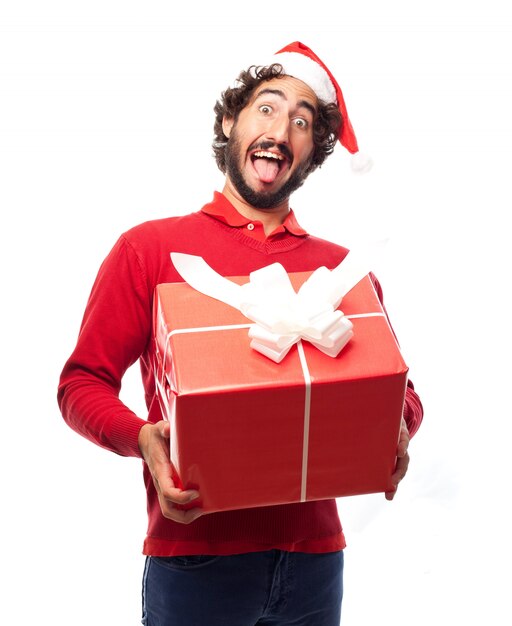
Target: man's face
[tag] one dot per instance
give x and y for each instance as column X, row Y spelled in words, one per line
column 271, row 143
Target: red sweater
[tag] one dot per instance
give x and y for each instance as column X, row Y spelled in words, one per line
column 117, row 331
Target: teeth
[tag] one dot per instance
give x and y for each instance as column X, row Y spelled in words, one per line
column 268, row 155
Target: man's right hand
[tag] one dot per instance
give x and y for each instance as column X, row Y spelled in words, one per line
column 154, row 446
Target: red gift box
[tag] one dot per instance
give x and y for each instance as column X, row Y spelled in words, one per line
column 246, row 431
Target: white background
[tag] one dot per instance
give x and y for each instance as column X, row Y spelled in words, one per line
column 106, row 121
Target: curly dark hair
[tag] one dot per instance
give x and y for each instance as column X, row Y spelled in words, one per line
column 326, row 128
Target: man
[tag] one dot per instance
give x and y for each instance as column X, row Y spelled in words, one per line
column 271, row 565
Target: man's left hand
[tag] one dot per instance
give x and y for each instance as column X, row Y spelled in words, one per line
column 402, row 460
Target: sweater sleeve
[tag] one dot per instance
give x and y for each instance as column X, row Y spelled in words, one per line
column 413, row 409
column 115, row 330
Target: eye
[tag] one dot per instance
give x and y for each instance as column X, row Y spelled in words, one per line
column 301, row 123
column 265, row 109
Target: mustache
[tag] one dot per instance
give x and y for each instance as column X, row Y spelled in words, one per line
column 267, row 145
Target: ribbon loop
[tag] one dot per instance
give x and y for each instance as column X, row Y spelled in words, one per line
column 282, row 316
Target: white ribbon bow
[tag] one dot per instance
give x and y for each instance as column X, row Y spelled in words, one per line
column 282, row 316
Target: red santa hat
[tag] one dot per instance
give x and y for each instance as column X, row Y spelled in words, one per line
column 301, row 62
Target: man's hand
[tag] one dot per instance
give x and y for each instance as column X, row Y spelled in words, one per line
column 154, row 446
column 402, row 460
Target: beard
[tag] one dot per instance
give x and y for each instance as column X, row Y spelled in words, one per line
column 261, row 199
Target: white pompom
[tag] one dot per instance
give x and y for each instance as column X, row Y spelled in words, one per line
column 361, row 163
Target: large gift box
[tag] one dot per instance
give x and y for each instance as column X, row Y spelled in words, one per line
column 247, row 431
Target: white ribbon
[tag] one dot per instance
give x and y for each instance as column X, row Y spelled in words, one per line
column 282, row 316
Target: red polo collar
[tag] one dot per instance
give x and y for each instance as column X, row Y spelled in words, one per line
column 222, row 209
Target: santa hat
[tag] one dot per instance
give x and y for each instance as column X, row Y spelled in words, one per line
column 301, row 62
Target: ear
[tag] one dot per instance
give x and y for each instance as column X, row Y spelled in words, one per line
column 227, row 125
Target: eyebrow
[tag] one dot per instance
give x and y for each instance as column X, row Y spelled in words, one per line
column 277, row 92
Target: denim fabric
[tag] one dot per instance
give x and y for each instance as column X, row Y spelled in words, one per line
column 271, row 588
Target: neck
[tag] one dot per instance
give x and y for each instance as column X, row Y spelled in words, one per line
column 270, row 218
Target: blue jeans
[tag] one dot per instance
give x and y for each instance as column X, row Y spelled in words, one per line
column 271, row 588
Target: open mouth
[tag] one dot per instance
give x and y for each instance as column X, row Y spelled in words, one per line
column 268, row 164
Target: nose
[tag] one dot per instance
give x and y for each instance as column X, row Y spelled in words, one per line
column 278, row 129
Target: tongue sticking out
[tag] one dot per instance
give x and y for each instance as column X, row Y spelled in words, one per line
column 267, row 169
